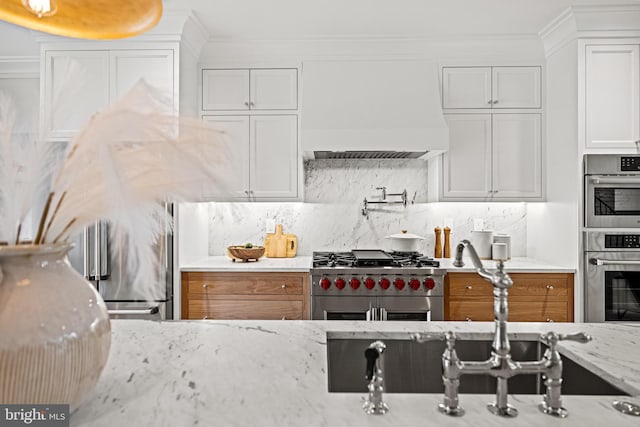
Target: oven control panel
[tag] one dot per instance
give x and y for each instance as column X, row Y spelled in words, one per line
column 622, row 241
column 630, row 164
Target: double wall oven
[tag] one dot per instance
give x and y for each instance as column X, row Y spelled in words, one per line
column 611, row 238
column 376, row 285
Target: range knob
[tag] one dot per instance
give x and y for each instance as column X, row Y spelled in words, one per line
column 414, row 284
column 325, row 283
column 399, row 284
column 429, row 283
column 340, row 283
column 385, row 283
column 370, row 283
column 354, row 283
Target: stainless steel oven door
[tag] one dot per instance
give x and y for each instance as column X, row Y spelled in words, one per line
column 612, row 201
column 343, row 308
column 410, row 308
column 612, row 286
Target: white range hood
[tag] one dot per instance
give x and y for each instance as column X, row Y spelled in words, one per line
column 371, row 109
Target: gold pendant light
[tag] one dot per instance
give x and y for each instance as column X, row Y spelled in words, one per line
column 85, row 19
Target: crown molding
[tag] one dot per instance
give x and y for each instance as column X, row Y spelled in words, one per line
column 591, row 21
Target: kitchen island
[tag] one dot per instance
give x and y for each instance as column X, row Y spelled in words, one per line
column 274, row 373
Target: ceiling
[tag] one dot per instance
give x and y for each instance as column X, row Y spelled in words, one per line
column 301, row 19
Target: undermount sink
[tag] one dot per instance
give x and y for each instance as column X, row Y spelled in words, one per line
column 411, row 367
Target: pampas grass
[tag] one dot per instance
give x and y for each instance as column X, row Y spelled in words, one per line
column 122, row 167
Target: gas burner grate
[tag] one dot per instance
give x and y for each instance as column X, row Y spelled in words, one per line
column 378, row 259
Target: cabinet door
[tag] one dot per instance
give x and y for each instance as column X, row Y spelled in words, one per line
column 273, row 168
column 516, row 87
column 76, row 85
column 466, row 87
column 154, row 66
column 517, row 156
column 274, row 89
column 612, row 96
column 467, row 164
column 236, row 133
column 225, row 89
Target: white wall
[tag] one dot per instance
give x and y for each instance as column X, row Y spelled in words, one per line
column 18, row 41
column 553, row 227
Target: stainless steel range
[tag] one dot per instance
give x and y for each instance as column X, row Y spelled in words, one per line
column 376, row 285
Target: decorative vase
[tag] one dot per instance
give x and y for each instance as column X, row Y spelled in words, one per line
column 55, row 333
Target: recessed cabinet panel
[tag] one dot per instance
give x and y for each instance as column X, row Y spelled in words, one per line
column 236, row 135
column 225, row 89
column 466, row 87
column 274, row 89
column 516, row 87
column 517, row 163
column 467, row 164
column 612, row 96
column 76, row 86
column 274, row 156
column 155, row 67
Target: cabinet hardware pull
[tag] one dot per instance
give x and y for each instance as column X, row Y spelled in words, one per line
column 550, row 320
column 283, row 286
column 205, row 317
column 549, row 287
column 489, row 102
column 468, row 287
column 205, row 285
column 495, row 102
column 284, row 317
column 468, row 319
column 251, row 103
column 246, row 104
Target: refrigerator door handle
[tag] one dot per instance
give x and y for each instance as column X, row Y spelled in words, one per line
column 150, row 310
column 97, row 249
column 85, row 258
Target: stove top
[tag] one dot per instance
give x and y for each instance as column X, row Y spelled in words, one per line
column 372, row 258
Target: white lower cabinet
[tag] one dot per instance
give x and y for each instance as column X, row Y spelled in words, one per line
column 264, row 156
column 493, row 157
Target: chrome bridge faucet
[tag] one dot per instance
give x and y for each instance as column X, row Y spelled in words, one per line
column 374, row 405
column 500, row 365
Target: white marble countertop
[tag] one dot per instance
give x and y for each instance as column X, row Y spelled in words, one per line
column 264, row 264
column 274, row 373
column 303, row 263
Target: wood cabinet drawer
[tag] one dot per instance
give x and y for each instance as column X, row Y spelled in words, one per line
column 207, row 284
column 468, row 285
column 251, row 309
column 540, row 285
column 480, row 311
column 519, row 311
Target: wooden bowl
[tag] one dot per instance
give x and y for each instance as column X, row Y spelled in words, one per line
column 245, row 254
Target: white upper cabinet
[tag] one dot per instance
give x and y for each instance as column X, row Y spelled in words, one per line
column 516, row 156
column 467, row 164
column 493, row 157
column 263, row 151
column 250, row 89
column 466, row 87
column 612, row 96
column 76, row 85
column 129, row 66
column 491, row 87
column 79, row 83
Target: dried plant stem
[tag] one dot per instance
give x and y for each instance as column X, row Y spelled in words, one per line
column 64, row 231
column 18, row 233
column 55, row 211
column 43, row 217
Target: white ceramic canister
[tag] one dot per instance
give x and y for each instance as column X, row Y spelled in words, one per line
column 503, row 238
column 481, row 241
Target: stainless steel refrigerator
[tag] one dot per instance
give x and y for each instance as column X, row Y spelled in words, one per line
column 93, row 256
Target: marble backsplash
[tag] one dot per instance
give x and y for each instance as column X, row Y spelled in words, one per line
column 331, row 219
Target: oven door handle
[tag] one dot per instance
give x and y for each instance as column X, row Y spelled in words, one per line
column 383, row 313
column 599, row 261
column 597, row 179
